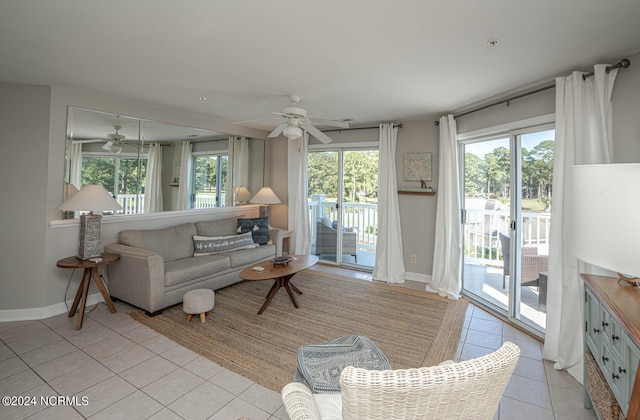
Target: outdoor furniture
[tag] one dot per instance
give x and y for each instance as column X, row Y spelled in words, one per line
column 531, row 264
column 326, row 238
column 470, row 389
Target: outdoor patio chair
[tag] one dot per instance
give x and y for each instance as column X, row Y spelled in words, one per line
column 531, row 264
column 469, row 389
column 326, row 241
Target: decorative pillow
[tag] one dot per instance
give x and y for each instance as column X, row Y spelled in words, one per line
column 326, row 221
column 208, row 245
column 259, row 228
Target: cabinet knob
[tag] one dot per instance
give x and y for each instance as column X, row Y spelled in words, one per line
column 614, row 376
column 605, row 358
column 614, row 337
column 605, row 324
column 595, row 330
column 621, row 370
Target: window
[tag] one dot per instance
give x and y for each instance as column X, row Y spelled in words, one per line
column 118, row 175
column 209, row 181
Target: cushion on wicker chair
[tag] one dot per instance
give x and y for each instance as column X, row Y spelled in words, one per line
column 470, row 389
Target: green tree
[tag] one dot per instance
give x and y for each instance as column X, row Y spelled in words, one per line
column 498, row 172
column 475, row 175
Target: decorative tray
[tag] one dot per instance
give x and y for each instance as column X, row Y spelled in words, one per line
column 281, row 260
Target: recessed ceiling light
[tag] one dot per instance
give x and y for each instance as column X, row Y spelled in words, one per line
column 203, row 99
column 493, row 43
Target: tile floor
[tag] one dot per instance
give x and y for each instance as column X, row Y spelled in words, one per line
column 119, row 368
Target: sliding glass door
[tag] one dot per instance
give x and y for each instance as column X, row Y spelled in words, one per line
column 343, row 200
column 506, row 221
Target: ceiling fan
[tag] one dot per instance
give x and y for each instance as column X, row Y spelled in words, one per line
column 114, row 141
column 296, row 120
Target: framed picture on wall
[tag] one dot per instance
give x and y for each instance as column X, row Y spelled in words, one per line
column 417, row 166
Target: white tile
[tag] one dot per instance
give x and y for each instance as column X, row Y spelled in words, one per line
column 262, row 398
column 14, row 331
column 484, row 339
column 172, row 386
column 530, row 368
column 141, row 334
column 202, row 402
column 81, row 379
column 9, row 367
column 91, row 336
column 231, row 381
column 63, row 365
column 568, row 403
column 47, row 353
column 520, row 410
column 240, row 409
column 127, row 358
column 5, row 352
column 104, row 394
column 204, row 367
column 108, row 347
column 180, row 355
column 135, row 406
column 165, row 414
column 159, row 344
column 20, row 383
column 39, row 339
column 26, row 410
column 529, row 391
column 57, row 413
column 148, row 371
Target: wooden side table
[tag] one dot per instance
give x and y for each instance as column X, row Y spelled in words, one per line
column 90, row 271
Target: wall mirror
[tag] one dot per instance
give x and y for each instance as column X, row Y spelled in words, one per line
column 144, row 163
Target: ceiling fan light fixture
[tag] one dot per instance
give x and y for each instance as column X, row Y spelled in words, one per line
column 292, row 132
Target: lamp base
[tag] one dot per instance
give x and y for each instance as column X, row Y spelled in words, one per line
column 265, row 211
column 90, row 243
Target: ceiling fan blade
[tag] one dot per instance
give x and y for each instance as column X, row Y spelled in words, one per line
column 316, row 133
column 90, row 141
column 279, row 129
column 261, row 119
column 332, row 123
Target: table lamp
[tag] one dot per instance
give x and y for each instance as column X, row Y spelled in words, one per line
column 69, row 190
column 242, row 194
column 265, row 196
column 90, row 198
column 605, row 224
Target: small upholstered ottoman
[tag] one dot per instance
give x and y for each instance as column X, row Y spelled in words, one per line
column 198, row 302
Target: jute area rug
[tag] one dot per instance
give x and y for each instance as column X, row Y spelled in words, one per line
column 412, row 328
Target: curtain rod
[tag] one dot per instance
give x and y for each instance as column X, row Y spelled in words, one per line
column 624, row 63
column 359, row 128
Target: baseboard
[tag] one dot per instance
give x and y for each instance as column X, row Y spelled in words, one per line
column 30, row 314
column 422, row 278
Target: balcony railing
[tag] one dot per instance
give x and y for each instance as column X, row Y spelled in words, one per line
column 134, row 203
column 481, row 240
column 362, row 217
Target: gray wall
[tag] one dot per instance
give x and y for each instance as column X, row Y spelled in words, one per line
column 32, row 131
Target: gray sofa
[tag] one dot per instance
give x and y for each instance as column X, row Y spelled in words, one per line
column 157, row 267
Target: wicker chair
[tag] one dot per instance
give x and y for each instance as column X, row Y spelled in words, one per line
column 531, row 264
column 326, row 241
column 465, row 390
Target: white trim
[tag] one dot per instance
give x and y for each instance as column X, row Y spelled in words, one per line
column 353, row 145
column 422, row 278
column 506, row 128
column 56, row 224
column 30, row 314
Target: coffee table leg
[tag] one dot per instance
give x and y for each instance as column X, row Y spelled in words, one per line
column 295, row 289
column 287, row 287
column 103, row 290
column 76, row 300
column 274, row 289
column 83, row 301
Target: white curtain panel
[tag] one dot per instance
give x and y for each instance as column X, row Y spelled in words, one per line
column 75, row 164
column 446, row 279
column 153, row 182
column 184, row 189
column 230, row 195
column 241, row 161
column 583, row 136
column 389, row 264
column 298, row 222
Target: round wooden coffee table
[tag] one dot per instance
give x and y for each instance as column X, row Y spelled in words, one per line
column 282, row 275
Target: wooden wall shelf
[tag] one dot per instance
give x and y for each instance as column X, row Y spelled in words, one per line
column 417, row 192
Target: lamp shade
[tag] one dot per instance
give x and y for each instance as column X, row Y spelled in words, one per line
column 91, row 198
column 265, row 196
column 605, row 228
column 242, row 194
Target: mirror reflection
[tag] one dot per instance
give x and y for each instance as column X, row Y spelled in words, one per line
column 150, row 166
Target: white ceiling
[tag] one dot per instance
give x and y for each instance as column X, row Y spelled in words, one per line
column 368, row 60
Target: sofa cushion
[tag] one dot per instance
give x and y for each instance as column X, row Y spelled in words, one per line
column 249, row 256
column 187, row 269
column 171, row 243
column 258, row 226
column 209, row 245
column 222, row 227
